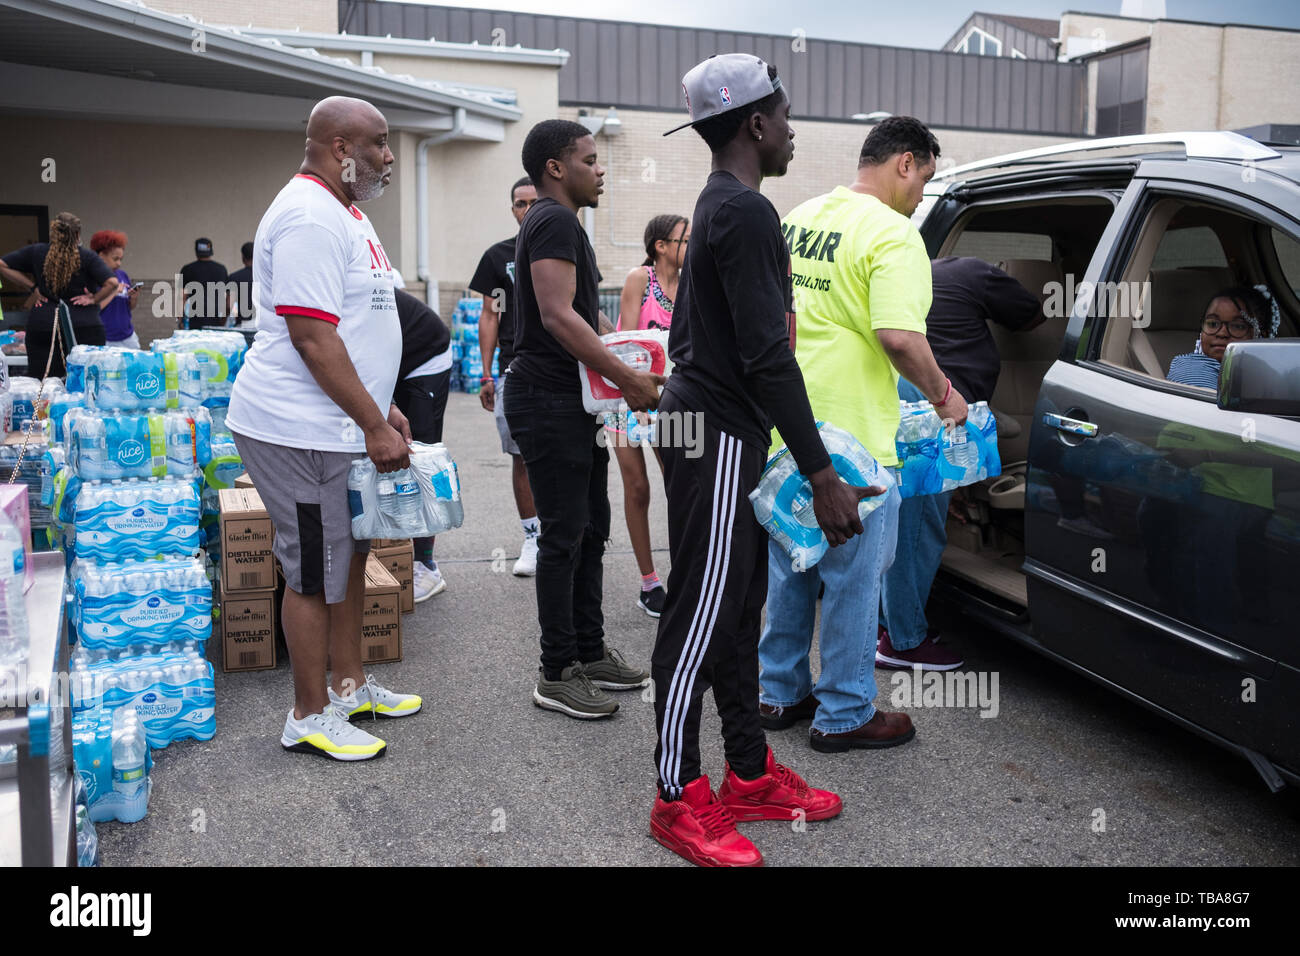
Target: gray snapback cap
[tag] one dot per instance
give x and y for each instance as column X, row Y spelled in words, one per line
column 724, row 82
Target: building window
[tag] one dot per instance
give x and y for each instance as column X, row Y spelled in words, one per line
column 978, row 42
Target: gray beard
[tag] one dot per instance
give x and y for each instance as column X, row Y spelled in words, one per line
column 369, row 184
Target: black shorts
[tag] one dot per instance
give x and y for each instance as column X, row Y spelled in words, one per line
column 423, row 400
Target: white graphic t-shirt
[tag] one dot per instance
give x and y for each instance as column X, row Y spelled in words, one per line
column 313, row 256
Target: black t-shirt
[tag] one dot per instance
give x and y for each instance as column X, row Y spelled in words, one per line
column 551, row 231
column 968, row 294
column 206, row 272
column 496, row 270
column 90, row 276
column 423, row 333
column 733, row 323
column 243, row 294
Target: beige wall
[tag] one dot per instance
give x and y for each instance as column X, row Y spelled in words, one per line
column 1099, row 32
column 313, row 15
column 164, row 186
column 1260, row 77
column 1183, row 77
column 647, row 173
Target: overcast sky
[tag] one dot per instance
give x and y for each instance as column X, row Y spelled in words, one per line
column 926, row 24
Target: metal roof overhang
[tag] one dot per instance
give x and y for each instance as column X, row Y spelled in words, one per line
column 113, row 59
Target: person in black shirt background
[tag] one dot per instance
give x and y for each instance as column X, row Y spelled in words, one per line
column 557, row 316
column 423, row 380
column 494, row 279
column 968, row 294
column 240, row 282
column 731, row 345
column 204, row 300
column 61, row 269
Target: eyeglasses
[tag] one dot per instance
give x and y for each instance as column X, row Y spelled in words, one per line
column 524, row 203
column 1236, row 328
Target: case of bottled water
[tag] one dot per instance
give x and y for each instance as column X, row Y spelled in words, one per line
column 138, row 518
column 111, row 752
column 76, row 360
column 130, row 380
column 783, row 500
column 22, row 396
column 645, row 350
column 171, row 688
column 63, row 401
column 135, row 602
column 106, row 445
column 220, row 356
column 933, row 459
column 414, row 502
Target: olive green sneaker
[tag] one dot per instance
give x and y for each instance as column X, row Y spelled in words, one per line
column 573, row 694
column 613, row 673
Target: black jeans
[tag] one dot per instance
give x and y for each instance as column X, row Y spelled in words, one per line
column 568, row 472
column 41, row 340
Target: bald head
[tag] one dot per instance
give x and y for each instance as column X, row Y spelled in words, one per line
column 347, row 147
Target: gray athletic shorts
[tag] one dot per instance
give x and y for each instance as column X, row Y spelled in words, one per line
column 508, row 444
column 306, row 495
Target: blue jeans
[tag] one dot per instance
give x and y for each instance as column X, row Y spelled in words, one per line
column 922, row 536
column 846, row 686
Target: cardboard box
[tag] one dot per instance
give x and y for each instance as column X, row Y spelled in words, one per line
column 248, row 620
column 246, row 536
column 384, row 544
column 243, row 481
column 381, row 615
column 13, row 502
column 400, row 562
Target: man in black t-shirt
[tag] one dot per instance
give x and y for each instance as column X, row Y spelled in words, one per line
column 240, row 283
column 494, row 279
column 204, row 290
column 968, row 295
column 557, row 315
column 731, row 344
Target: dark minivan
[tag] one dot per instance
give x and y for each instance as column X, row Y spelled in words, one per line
column 1145, row 533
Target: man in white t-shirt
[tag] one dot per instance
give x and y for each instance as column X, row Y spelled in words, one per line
column 315, row 392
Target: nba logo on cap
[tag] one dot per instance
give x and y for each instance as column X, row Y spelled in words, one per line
column 725, row 94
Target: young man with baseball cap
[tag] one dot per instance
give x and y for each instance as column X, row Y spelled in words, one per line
column 203, row 287
column 734, row 368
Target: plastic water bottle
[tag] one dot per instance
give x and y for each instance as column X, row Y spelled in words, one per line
column 129, row 751
column 407, row 497
column 961, row 453
column 387, row 491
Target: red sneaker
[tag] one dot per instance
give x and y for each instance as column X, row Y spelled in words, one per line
column 701, row 829
column 780, row 794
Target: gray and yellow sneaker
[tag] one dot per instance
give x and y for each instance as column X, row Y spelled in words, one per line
column 573, row 694
column 613, row 673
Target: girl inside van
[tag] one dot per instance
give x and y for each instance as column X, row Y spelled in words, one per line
column 1232, row 315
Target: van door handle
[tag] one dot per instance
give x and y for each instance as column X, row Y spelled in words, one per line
column 1071, row 425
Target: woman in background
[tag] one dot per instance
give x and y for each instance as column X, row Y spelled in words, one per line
column 61, row 269
column 110, row 245
column 647, row 303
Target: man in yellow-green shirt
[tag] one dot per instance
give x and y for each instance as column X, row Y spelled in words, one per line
column 861, row 280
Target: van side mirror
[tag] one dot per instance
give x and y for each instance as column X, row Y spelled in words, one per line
column 1261, row 376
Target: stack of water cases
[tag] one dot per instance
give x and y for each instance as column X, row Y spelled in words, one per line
column 123, row 488
column 467, row 358
column 220, row 356
column 24, row 410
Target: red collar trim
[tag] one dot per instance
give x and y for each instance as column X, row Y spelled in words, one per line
column 356, row 213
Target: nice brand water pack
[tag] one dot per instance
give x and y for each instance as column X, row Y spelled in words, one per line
column 130, row 380
column 104, row 445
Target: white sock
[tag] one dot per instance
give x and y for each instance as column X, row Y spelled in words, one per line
column 532, row 526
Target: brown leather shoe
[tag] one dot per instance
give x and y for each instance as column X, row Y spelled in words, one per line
column 779, row 718
column 881, row 731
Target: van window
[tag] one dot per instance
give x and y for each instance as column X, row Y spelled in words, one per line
column 1288, row 257
column 1196, row 246
column 994, row 247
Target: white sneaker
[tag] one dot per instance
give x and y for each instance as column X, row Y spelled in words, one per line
column 425, row 583
column 377, row 700
column 526, row 566
column 330, row 735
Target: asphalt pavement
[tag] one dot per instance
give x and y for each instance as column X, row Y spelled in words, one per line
column 1064, row 774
